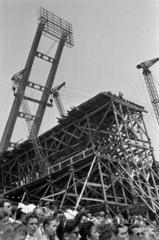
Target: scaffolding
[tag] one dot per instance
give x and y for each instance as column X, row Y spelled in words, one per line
column 100, row 156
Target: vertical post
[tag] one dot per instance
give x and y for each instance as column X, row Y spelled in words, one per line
column 50, row 80
column 114, row 192
column 102, row 182
column 18, row 173
column 64, row 196
column 16, row 104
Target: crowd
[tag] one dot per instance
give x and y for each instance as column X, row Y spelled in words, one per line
column 30, row 222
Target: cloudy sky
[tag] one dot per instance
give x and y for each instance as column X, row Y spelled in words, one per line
column 110, row 38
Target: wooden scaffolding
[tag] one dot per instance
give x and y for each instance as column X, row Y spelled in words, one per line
column 100, row 156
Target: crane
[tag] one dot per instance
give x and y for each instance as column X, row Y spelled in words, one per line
column 55, row 94
column 150, row 84
column 17, row 86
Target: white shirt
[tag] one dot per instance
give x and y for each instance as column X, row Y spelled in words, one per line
column 31, row 237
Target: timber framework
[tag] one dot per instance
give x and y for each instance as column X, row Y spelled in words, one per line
column 100, row 154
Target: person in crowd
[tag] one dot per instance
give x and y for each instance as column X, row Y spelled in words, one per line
column 121, row 232
column 89, row 216
column 3, row 217
column 31, row 221
column 88, row 231
column 117, row 219
column 46, row 209
column 108, row 218
column 97, row 218
column 59, row 214
column 71, row 229
column 50, row 226
column 135, row 232
column 102, row 216
column 106, row 231
column 14, row 231
column 20, row 215
column 40, row 213
column 83, row 217
column 6, row 206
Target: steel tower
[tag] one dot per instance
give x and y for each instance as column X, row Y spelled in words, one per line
column 59, row 30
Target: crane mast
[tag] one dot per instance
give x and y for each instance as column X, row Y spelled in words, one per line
column 150, row 84
column 55, row 94
column 17, row 86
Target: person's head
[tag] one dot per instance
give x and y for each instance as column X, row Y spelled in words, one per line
column 121, row 232
column 102, row 214
column 6, row 206
column 4, row 218
column 40, row 213
column 106, row 231
column 98, row 216
column 106, row 215
column 140, row 217
column 83, row 217
column 50, row 226
column 20, row 215
column 47, row 204
column 88, row 231
column 135, row 232
column 89, row 215
column 31, row 221
column 71, row 229
column 20, row 232
column 14, row 231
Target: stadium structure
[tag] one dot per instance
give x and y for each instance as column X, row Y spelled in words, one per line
column 99, row 156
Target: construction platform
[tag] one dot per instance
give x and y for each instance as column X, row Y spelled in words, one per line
column 100, row 154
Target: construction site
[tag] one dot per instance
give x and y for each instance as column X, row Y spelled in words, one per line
column 98, row 156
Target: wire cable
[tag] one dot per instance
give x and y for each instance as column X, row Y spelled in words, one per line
column 5, row 100
column 4, row 83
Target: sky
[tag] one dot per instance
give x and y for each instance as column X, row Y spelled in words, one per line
column 110, row 38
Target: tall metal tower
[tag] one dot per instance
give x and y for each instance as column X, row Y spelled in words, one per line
column 54, row 28
column 150, row 85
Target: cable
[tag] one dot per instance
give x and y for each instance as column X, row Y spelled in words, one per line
column 67, row 96
column 5, row 100
column 4, row 83
column 71, row 99
column 153, row 128
column 77, row 94
column 135, row 89
column 82, row 89
column 153, row 76
column 20, row 67
column 47, row 52
column 74, row 96
column 144, row 90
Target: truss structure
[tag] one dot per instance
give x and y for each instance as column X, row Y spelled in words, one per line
column 100, row 156
column 60, row 31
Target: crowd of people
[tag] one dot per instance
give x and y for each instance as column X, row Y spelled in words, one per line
column 30, row 222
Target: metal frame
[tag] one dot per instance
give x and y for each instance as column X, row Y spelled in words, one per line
column 101, row 156
column 59, row 30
